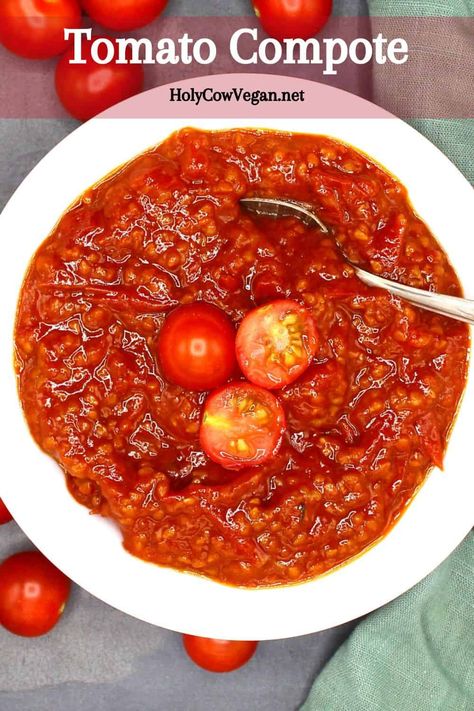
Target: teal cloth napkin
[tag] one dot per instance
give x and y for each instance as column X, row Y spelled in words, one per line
column 414, row 654
column 417, row 87
column 422, row 8
column 417, row 652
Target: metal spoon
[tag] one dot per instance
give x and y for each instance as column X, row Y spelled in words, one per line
column 451, row 306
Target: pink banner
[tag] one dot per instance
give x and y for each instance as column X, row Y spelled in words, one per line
column 246, row 96
column 435, row 81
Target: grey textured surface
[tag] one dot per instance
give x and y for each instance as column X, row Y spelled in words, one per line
column 97, row 658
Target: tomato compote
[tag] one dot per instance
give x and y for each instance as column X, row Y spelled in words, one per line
column 364, row 423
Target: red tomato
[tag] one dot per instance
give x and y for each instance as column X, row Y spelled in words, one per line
column 276, row 343
column 286, row 19
column 124, row 14
column 196, row 347
column 33, row 594
column 86, row 90
column 218, row 655
column 5, row 515
column 242, row 425
column 35, row 28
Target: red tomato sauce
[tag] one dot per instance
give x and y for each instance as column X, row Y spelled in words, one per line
column 365, row 422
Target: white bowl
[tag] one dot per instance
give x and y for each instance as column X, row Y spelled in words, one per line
column 88, row 548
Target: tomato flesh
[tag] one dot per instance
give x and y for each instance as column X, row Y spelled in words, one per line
column 35, row 28
column 218, row 655
column 86, row 90
column 5, row 515
column 242, row 425
column 124, row 14
column 287, row 19
column 196, row 347
column 276, row 343
column 430, row 438
column 33, row 593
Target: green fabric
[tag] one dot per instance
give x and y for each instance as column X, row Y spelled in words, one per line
column 422, row 8
column 416, row 653
column 455, row 137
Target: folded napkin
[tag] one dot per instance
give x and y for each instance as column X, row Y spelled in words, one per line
column 414, row 654
column 417, row 652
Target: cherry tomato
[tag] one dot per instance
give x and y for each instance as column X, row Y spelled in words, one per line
column 218, row 655
column 86, row 90
column 276, row 343
column 5, row 515
column 33, row 594
column 196, row 347
column 124, row 14
column 35, row 28
column 287, row 19
column 242, row 425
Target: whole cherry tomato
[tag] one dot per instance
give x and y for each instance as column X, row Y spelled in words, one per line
column 286, row 19
column 276, row 343
column 5, row 515
column 33, row 594
column 242, row 425
column 86, row 90
column 218, row 655
column 124, row 14
column 35, row 28
column 196, row 346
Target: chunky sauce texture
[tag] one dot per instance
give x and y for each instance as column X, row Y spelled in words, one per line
column 366, row 421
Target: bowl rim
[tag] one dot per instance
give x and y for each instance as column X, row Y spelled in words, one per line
column 87, row 548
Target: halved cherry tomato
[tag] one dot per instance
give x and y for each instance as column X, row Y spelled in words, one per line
column 5, row 515
column 276, row 343
column 35, row 28
column 124, row 14
column 242, row 425
column 196, row 346
column 86, row 90
column 218, row 655
column 286, row 19
column 33, row 594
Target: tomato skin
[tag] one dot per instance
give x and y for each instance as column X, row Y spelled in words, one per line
column 86, row 90
column 242, row 425
column 35, row 28
column 276, row 343
column 292, row 19
column 218, row 655
column 124, row 14
column 33, row 593
column 196, row 347
column 5, row 515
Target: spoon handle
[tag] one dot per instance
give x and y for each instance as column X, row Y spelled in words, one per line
column 451, row 306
